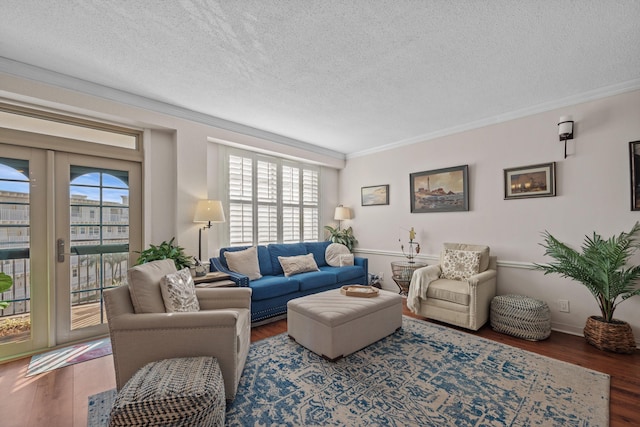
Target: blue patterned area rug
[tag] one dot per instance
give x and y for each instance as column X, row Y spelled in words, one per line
column 422, row 375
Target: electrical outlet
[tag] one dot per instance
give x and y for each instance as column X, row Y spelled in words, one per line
column 563, row 305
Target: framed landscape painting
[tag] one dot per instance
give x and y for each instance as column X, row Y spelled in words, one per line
column 530, row 181
column 440, row 190
column 375, row 195
column 634, row 156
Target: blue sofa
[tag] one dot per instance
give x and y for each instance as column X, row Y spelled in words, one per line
column 272, row 292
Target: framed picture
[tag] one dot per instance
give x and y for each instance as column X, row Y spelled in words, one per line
column 530, row 181
column 375, row 195
column 634, row 159
column 440, row 190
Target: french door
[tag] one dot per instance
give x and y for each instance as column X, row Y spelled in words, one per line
column 69, row 224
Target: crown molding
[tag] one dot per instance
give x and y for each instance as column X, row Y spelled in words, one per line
column 42, row 75
column 591, row 95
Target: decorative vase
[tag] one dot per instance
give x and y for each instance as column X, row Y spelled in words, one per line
column 615, row 336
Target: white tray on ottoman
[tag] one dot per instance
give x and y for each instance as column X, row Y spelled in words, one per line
column 334, row 325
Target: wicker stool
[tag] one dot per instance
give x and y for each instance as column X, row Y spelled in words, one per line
column 521, row 317
column 172, row 392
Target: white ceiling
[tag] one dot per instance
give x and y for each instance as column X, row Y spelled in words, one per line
column 350, row 76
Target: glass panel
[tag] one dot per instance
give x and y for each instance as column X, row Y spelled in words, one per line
column 15, row 301
column 99, row 218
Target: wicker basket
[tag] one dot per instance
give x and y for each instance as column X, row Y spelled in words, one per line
column 615, row 336
column 521, row 316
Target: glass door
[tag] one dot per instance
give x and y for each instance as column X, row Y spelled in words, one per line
column 23, row 255
column 97, row 215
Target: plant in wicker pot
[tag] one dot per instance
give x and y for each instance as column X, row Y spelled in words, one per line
column 603, row 268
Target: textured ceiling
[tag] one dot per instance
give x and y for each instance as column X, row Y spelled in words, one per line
column 350, row 76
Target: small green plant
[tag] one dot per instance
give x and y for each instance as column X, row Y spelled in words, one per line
column 5, row 284
column 344, row 236
column 601, row 267
column 165, row 250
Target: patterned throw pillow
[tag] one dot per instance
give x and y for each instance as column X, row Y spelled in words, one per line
column 298, row 264
column 334, row 253
column 179, row 292
column 460, row 265
column 244, row 262
column 346, row 260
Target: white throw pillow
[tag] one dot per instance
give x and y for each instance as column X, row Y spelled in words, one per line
column 179, row 292
column 460, row 265
column 244, row 262
column 298, row 264
column 346, row 260
column 333, row 252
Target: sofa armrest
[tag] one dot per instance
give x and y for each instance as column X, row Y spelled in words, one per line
column 239, row 279
column 364, row 263
column 221, row 298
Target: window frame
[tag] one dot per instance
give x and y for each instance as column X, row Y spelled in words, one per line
column 303, row 206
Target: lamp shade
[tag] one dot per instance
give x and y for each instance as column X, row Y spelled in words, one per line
column 209, row 211
column 342, row 213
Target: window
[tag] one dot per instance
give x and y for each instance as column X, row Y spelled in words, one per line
column 271, row 200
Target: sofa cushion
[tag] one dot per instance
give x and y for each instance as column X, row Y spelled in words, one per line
column 273, row 286
column 286, row 250
column 460, row 265
column 334, row 252
column 484, row 256
column 144, row 285
column 453, row 291
column 318, row 250
column 179, row 292
column 317, row 279
column 244, row 262
column 292, row 265
column 344, row 274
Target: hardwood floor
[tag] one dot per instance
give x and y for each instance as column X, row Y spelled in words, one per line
column 59, row 398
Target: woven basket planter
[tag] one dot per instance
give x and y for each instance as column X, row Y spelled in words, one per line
column 615, row 336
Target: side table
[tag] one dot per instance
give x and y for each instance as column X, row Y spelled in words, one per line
column 401, row 274
column 215, row 279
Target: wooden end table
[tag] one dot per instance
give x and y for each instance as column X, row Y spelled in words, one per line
column 214, row 279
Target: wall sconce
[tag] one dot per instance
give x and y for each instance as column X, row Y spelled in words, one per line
column 341, row 214
column 207, row 211
column 565, row 131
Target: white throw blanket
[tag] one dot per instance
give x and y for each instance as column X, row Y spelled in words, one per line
column 420, row 281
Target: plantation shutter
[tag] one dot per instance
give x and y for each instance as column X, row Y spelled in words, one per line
column 271, row 200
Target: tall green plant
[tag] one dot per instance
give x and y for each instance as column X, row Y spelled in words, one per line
column 344, row 236
column 165, row 250
column 5, row 284
column 601, row 267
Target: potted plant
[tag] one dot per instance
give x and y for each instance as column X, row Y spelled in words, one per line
column 165, row 250
column 344, row 236
column 602, row 268
column 5, row 284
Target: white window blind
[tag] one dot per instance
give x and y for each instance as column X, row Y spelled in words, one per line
column 271, row 200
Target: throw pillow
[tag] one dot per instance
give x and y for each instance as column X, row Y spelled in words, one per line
column 460, row 265
column 244, row 262
column 333, row 252
column 298, row 264
column 179, row 292
column 346, row 260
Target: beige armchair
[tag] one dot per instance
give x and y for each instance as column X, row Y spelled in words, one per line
column 464, row 298
column 222, row 327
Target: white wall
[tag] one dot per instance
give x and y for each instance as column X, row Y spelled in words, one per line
column 593, row 194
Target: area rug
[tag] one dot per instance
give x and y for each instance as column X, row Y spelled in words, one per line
column 66, row 356
column 422, row 375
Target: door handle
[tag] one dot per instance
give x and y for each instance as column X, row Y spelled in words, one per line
column 60, row 250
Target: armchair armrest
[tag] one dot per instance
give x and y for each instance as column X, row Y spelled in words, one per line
column 173, row 321
column 221, row 298
column 480, row 278
column 240, row 279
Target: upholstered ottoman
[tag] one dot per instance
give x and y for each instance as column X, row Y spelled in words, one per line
column 521, row 316
column 172, row 392
column 334, row 325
